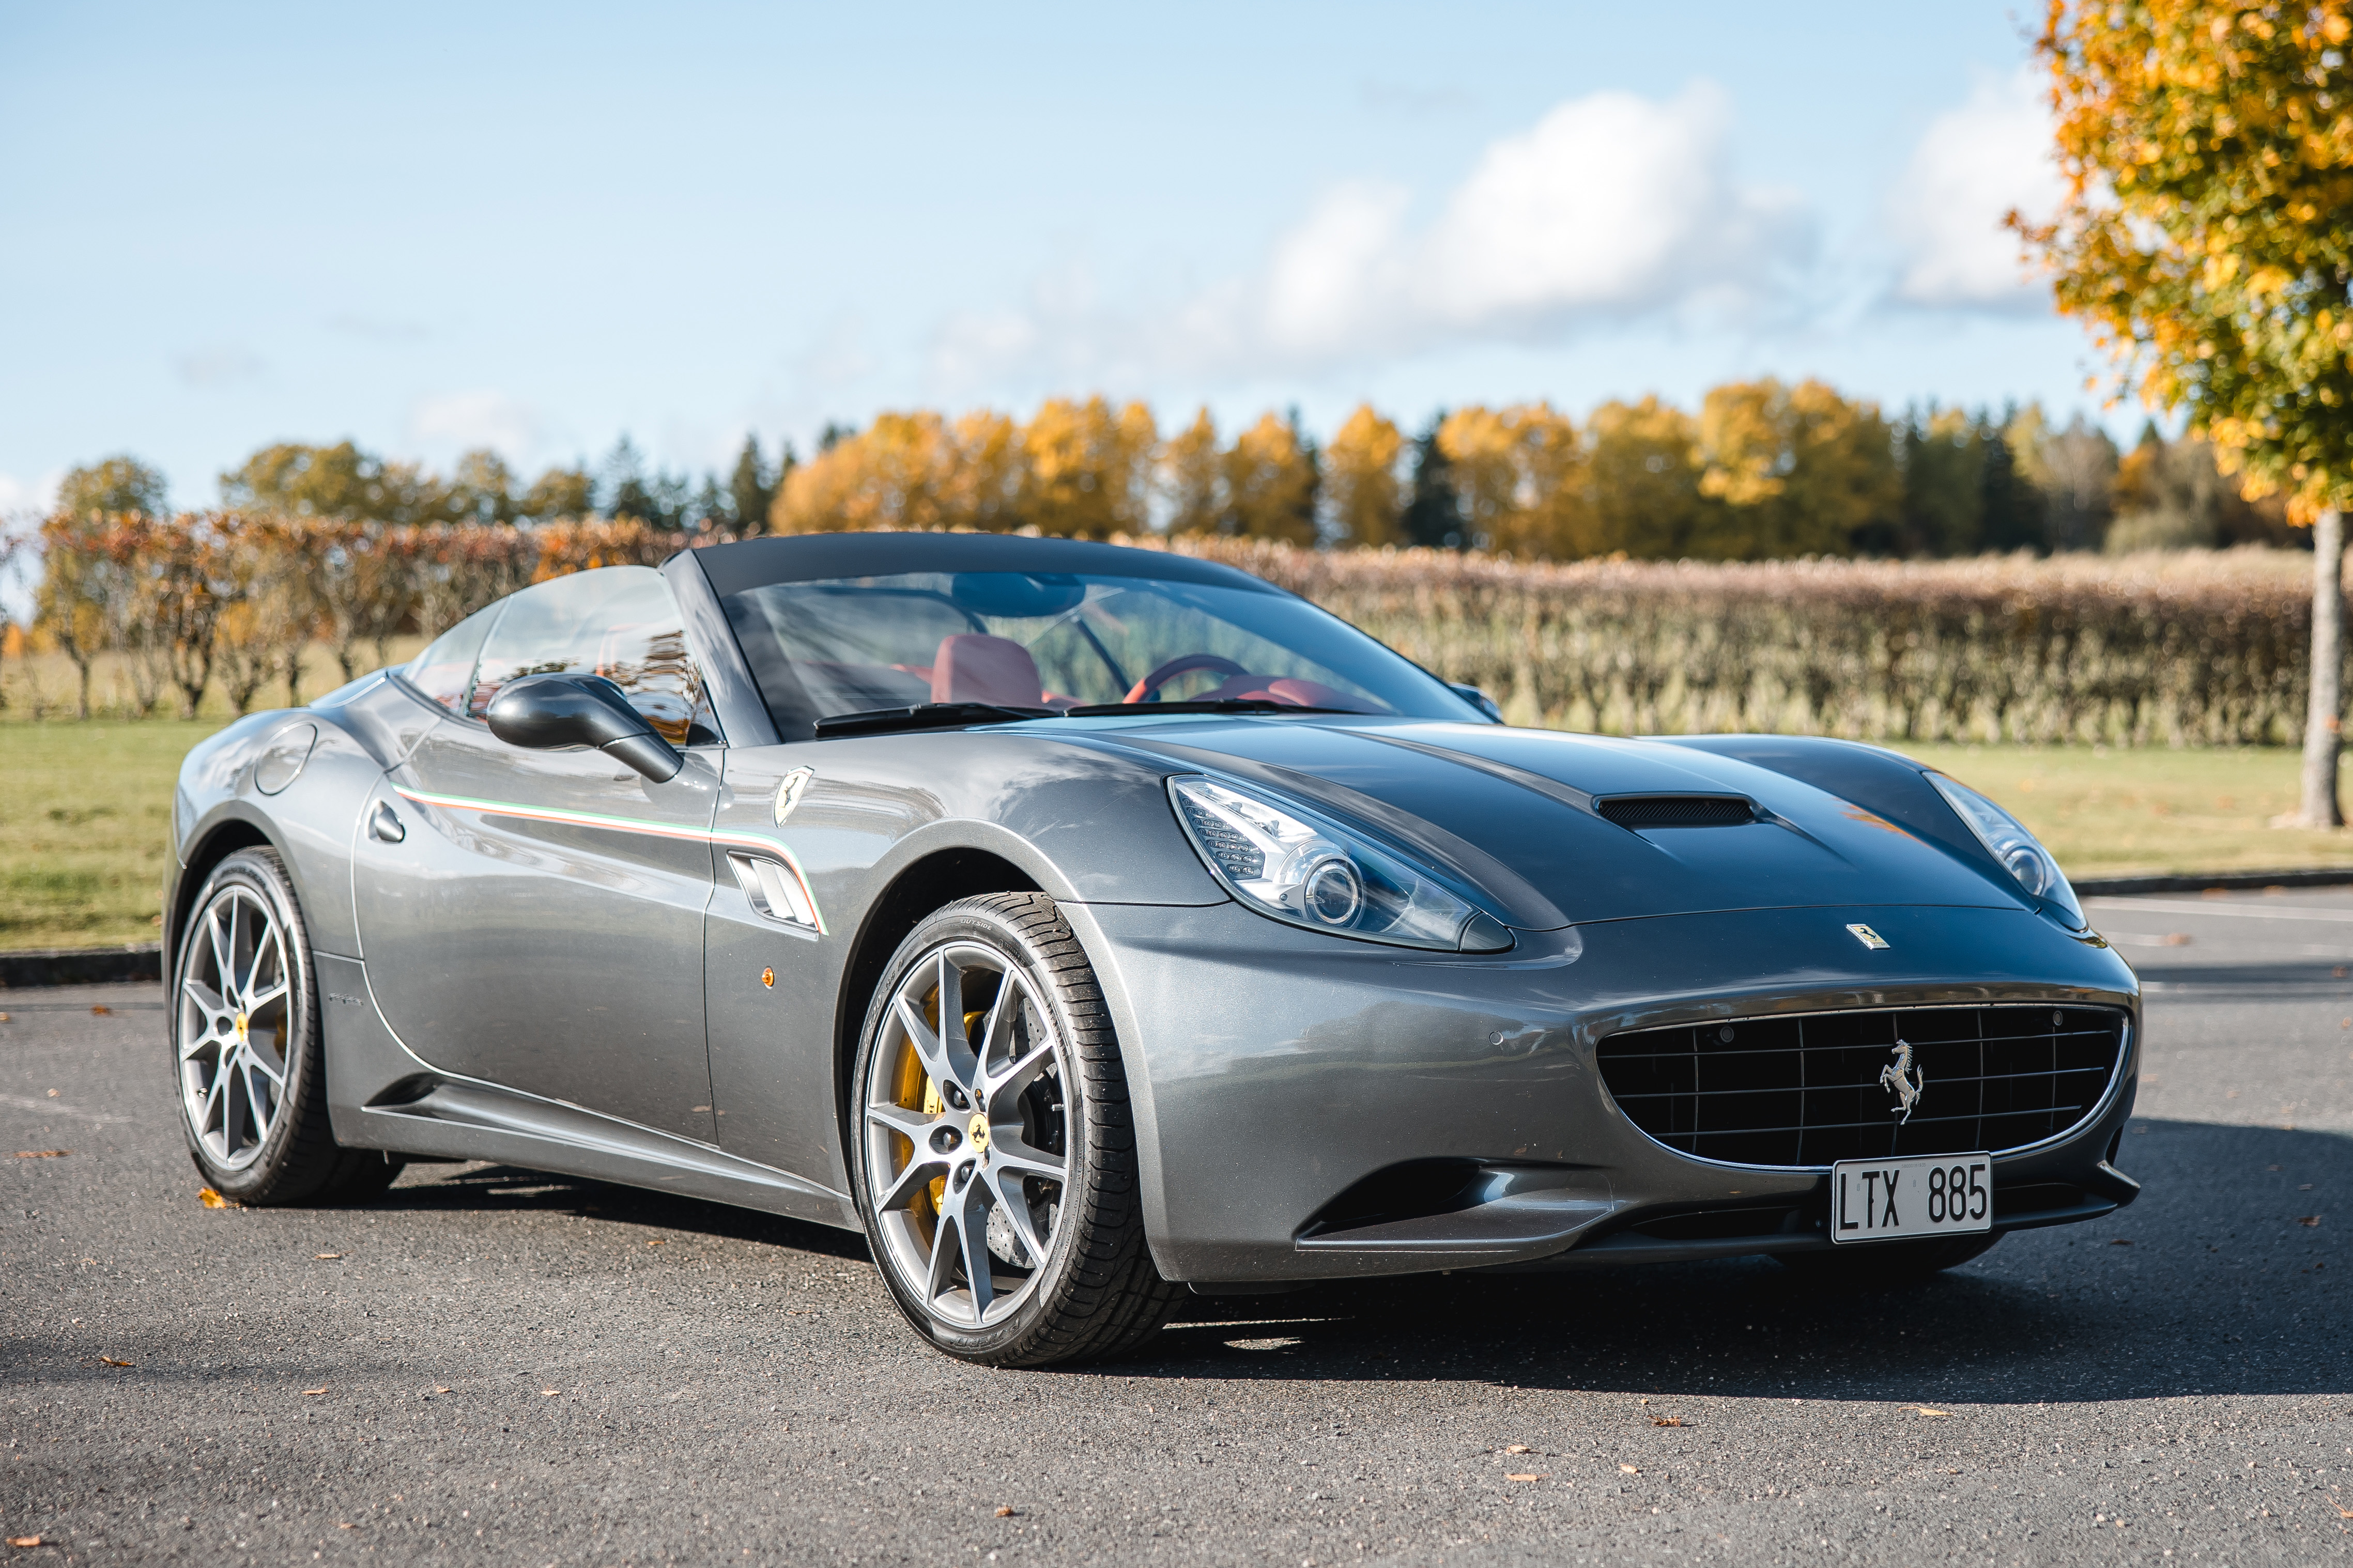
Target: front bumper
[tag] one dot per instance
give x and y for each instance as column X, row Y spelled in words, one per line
column 1313, row 1108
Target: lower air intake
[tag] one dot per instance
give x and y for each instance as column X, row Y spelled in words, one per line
column 1818, row 1087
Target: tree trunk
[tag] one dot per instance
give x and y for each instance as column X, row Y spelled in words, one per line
column 2322, row 737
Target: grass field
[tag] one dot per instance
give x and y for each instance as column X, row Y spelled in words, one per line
column 84, row 809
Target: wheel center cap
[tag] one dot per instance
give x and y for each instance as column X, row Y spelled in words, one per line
column 978, row 1130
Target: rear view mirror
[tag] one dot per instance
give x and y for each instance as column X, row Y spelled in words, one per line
column 544, row 712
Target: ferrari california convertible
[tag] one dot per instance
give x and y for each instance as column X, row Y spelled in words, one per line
column 1087, row 925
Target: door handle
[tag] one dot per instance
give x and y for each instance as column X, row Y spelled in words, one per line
column 384, row 822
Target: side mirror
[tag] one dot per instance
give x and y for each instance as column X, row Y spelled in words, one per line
column 543, row 712
column 1477, row 699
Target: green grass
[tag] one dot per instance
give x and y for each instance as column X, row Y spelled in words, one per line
column 85, row 824
column 85, row 813
column 2110, row 813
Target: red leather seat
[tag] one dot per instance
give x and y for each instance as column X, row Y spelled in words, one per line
column 973, row 668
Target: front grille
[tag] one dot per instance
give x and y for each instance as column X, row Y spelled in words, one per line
column 1820, row 1088
column 1641, row 811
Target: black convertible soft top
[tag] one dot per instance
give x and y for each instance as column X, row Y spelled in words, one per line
column 808, row 557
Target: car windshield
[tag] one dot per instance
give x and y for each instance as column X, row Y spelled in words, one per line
column 1054, row 642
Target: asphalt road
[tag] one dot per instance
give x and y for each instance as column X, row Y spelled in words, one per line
column 491, row 1366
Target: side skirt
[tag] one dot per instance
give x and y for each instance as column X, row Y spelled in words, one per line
column 381, row 1096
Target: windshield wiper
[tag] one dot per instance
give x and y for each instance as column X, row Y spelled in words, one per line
column 923, row 716
column 1211, row 705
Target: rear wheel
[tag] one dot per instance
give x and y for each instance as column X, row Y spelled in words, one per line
column 244, row 1033
column 1885, row 1263
column 992, row 1149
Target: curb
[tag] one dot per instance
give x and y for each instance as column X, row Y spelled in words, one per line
column 2310, row 877
column 81, row 965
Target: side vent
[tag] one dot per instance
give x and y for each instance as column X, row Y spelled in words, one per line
column 773, row 889
column 1640, row 812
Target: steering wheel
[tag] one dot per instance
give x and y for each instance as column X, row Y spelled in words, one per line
column 1182, row 664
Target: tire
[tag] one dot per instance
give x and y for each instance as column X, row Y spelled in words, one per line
column 1886, row 1263
column 946, row 1139
column 252, row 1074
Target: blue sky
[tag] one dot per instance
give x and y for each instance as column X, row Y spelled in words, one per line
column 432, row 227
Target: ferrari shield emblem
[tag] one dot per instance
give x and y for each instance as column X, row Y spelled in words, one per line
column 1868, row 937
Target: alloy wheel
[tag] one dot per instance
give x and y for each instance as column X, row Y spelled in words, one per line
column 234, row 1006
column 967, row 1129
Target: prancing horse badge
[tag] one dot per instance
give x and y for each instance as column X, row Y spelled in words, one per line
column 1868, row 937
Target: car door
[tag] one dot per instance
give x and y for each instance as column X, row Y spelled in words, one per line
column 534, row 918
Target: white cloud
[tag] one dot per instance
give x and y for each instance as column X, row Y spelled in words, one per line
column 1973, row 165
column 453, row 422
column 20, row 498
column 1609, row 208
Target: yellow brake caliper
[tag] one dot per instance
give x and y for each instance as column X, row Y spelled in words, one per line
column 916, row 1089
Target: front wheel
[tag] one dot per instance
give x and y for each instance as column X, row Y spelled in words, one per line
column 244, row 1035
column 992, row 1149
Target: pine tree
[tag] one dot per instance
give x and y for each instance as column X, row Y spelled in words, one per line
column 1433, row 517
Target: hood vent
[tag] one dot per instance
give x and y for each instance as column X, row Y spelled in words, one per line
column 1640, row 812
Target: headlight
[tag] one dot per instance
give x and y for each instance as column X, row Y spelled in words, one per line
column 2008, row 842
column 1282, row 861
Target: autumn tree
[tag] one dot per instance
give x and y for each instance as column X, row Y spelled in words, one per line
column 118, row 484
column 1801, row 471
column 1270, row 483
column 1190, row 478
column 1362, row 495
column 1643, row 496
column 2206, row 238
column 1087, row 469
column 1516, row 474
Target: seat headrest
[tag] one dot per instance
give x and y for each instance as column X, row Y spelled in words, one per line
column 975, row 668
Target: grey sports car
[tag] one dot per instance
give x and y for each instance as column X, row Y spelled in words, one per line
column 1086, row 924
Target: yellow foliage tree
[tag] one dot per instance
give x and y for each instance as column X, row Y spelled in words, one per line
column 2206, row 237
column 1642, row 494
column 1361, row 492
column 1087, row 469
column 1189, row 471
column 1269, row 484
column 1517, row 472
column 1799, row 469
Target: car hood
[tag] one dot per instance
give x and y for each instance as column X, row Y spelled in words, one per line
column 1515, row 812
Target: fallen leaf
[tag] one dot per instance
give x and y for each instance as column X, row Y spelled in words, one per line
column 655, row 1243
column 326, row 1257
column 4, row 1017
column 1632, row 1469
column 24, row 1541
column 1524, row 1477
column 551, row 1392
column 1006, row 1512
column 2310, row 1219
column 1667, row 1421
column 2119, row 1241
column 1519, row 1448
column 439, row 1389
column 312, row 1393
column 341, row 1524
column 211, row 1199
column 1926, row 1411
column 43, row 1154
column 2177, row 939
column 109, row 1360
column 101, row 1011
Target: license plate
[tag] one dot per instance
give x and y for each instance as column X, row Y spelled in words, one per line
column 1881, row 1200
